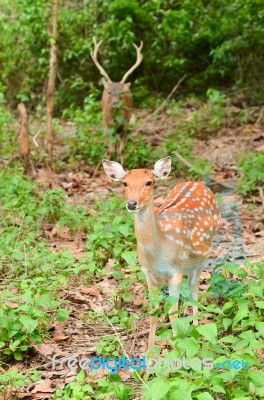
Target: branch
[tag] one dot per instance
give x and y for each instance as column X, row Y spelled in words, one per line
column 189, row 165
column 171, row 93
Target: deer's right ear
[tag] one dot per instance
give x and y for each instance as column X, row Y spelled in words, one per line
column 114, row 170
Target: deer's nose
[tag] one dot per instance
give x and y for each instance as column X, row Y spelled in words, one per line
column 132, row 204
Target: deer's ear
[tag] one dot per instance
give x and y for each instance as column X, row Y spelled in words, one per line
column 162, row 168
column 127, row 85
column 114, row 170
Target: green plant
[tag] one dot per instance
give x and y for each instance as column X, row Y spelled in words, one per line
column 234, row 333
column 253, row 173
column 77, row 390
column 108, row 347
column 13, row 379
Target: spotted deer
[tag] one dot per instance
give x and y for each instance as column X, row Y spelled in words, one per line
column 173, row 240
column 117, row 97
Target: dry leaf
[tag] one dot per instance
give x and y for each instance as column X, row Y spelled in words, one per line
column 43, row 349
column 41, row 395
column 92, row 291
column 43, row 386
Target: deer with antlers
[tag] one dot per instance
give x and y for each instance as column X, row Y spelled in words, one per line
column 116, row 98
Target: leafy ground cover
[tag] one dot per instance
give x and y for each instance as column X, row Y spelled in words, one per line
column 70, row 282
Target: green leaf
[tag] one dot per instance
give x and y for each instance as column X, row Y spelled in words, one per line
column 45, row 300
column 260, row 327
column 14, row 344
column 179, row 394
column 229, row 339
column 130, row 257
column 62, row 315
column 209, row 331
column 218, row 389
column 159, row 389
column 87, row 388
column 190, row 345
column 205, row 396
column 227, row 306
column 257, row 377
column 124, row 229
column 103, row 382
column 241, row 314
column 181, row 326
column 28, row 323
column 260, row 392
column 18, row 355
column 260, row 304
column 226, row 323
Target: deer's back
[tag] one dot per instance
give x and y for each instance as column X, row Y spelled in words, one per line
column 190, row 217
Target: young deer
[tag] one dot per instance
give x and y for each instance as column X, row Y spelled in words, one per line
column 115, row 95
column 175, row 239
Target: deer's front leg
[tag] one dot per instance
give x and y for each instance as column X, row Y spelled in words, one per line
column 153, row 319
column 174, row 290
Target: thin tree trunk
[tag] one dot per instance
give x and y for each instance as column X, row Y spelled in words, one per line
column 52, row 77
column 23, row 137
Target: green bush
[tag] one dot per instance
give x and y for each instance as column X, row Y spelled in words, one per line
column 217, row 44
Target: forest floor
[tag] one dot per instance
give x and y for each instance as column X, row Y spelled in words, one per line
column 241, row 238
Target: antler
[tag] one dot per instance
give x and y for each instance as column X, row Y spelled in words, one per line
column 94, row 57
column 139, row 59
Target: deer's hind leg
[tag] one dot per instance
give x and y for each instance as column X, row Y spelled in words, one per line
column 193, row 281
column 174, row 290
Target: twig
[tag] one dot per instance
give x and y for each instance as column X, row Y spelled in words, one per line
column 143, row 333
column 189, row 165
column 118, row 338
column 16, row 156
column 185, row 162
column 261, row 193
column 171, row 93
column 35, row 138
column 260, row 116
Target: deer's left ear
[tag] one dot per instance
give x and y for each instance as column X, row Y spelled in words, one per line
column 162, row 168
column 114, row 170
column 127, row 85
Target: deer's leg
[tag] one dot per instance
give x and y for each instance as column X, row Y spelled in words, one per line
column 193, row 281
column 122, row 145
column 109, row 144
column 174, row 290
column 153, row 318
column 152, row 331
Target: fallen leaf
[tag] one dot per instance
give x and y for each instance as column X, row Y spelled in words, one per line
column 92, row 291
column 137, row 301
column 77, row 298
column 64, row 233
column 43, row 386
column 60, row 337
column 22, row 395
column 43, row 349
column 42, row 395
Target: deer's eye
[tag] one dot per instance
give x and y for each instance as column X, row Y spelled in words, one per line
column 125, row 184
column 149, row 183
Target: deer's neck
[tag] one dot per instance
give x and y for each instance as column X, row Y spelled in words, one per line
column 148, row 232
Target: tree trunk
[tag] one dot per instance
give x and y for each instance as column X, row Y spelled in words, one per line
column 52, row 77
column 23, row 138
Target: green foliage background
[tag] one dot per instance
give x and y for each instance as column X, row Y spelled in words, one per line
column 217, row 43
